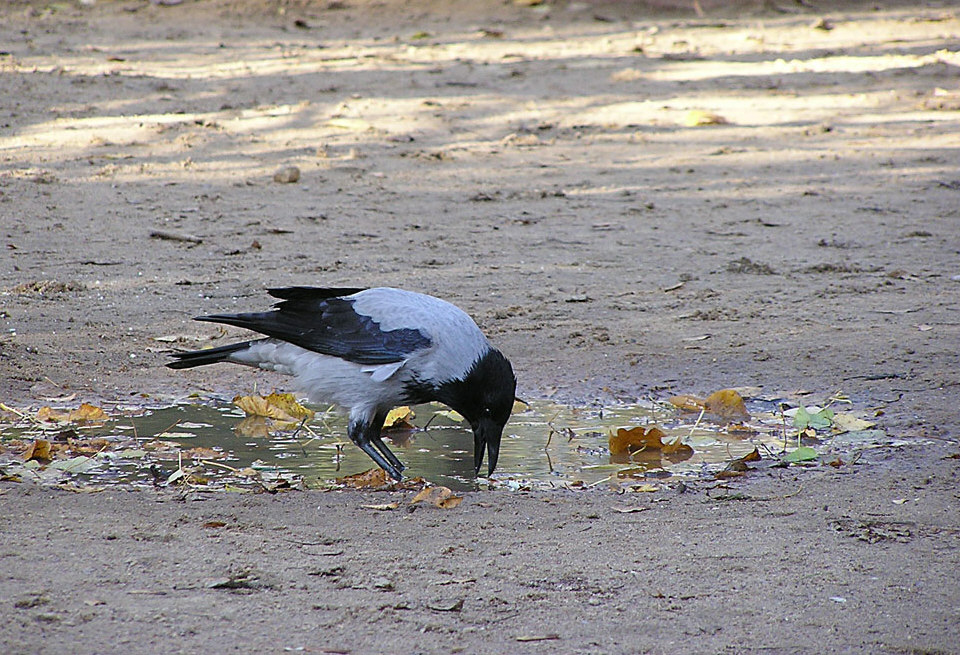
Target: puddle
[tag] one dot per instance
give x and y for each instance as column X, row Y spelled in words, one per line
column 545, row 445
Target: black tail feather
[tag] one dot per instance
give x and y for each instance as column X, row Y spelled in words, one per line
column 208, row 356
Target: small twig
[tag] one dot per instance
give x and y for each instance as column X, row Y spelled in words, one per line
column 218, row 464
column 697, row 423
column 174, row 236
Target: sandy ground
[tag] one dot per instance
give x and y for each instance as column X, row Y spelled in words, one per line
column 537, row 166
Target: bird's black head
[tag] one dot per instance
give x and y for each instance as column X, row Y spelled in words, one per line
column 485, row 398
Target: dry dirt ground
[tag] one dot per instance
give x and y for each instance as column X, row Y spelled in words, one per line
column 542, row 167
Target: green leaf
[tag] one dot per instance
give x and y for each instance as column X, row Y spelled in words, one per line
column 822, row 419
column 802, row 418
column 801, row 454
column 78, row 464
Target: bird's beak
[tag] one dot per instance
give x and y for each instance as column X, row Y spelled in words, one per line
column 486, row 435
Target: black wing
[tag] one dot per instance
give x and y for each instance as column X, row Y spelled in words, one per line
column 323, row 321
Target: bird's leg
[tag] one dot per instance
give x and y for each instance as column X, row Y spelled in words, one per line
column 359, row 433
column 375, row 430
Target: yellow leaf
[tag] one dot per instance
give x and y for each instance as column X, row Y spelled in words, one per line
column 687, row 403
column 441, row 497
column 850, row 423
column 278, row 406
column 399, row 418
column 727, row 404
column 644, row 488
column 86, row 413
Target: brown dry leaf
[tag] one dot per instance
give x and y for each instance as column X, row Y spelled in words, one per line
column 698, row 117
column 441, row 497
column 375, row 478
column 39, row 450
column 635, row 439
column 382, row 507
column 399, row 418
column 86, row 446
column 728, row 473
column 676, row 451
column 752, row 456
column 727, row 403
column 278, row 406
column 204, row 453
column 687, row 403
column 86, row 413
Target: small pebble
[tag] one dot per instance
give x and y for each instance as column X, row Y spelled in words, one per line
column 287, row 175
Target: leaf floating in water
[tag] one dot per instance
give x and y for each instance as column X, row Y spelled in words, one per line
column 727, row 404
column 86, row 413
column 399, row 418
column 632, row 440
column 280, row 407
column 628, row 443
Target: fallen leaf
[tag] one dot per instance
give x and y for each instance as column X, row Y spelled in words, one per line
column 630, row 510
column 39, row 449
column 78, row 464
column 687, row 403
column 726, row 403
column 399, row 418
column 375, row 478
column 628, row 441
column 698, row 117
column 801, row 454
column 441, row 497
column 812, row 417
column 282, row 407
column 455, row 416
column 752, row 456
column 644, row 488
column 382, row 507
column 86, row 413
column 214, row 524
column 850, row 423
column 204, row 453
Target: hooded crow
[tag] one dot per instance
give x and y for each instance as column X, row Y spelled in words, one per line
column 370, row 350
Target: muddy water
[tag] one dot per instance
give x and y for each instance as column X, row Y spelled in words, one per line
column 546, row 443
